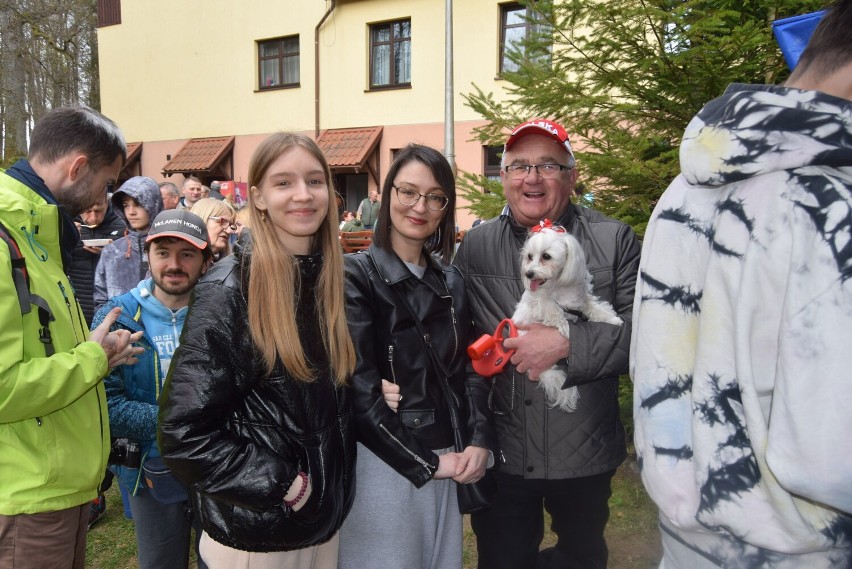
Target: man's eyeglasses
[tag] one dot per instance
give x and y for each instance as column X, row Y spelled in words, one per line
column 409, row 198
column 224, row 222
column 518, row 171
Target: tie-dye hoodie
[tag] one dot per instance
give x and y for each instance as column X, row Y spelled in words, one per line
column 742, row 334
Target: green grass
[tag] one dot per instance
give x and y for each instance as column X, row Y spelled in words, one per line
column 111, row 543
column 632, row 534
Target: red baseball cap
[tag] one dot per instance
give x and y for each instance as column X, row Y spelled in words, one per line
column 544, row 127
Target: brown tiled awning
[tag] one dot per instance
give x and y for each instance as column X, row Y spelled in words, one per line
column 203, row 156
column 133, row 164
column 352, row 150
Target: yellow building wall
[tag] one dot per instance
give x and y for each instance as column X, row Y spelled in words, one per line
column 188, row 69
column 178, row 70
column 345, row 57
column 171, row 71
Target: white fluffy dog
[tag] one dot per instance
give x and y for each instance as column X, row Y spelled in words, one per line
column 558, row 290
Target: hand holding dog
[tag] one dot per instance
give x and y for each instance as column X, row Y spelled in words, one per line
column 538, row 349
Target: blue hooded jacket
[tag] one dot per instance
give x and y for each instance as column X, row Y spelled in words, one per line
column 123, row 262
column 132, row 391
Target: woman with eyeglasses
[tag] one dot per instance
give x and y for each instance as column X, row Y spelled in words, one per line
column 220, row 219
column 399, row 291
column 255, row 416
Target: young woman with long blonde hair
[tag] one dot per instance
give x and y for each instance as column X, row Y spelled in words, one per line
column 254, row 415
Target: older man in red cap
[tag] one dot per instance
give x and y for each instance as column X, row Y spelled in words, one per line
column 552, row 459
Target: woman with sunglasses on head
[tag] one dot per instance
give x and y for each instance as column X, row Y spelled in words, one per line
column 255, row 416
column 220, row 218
column 399, row 291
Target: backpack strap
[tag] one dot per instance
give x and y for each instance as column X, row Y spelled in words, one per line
column 26, row 299
column 19, row 270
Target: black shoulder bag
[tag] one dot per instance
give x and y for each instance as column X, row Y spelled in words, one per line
column 476, row 496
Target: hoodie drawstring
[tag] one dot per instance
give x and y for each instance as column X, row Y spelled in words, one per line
column 31, row 241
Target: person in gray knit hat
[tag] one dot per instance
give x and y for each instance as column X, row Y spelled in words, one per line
column 124, row 262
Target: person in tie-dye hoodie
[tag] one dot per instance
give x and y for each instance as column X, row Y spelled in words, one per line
column 742, row 325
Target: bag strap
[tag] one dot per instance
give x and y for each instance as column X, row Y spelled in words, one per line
column 26, row 299
column 19, row 270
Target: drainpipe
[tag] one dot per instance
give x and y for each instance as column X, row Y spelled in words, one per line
column 317, row 69
column 449, row 118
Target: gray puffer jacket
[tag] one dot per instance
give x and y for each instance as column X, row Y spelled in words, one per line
column 537, row 441
column 123, row 262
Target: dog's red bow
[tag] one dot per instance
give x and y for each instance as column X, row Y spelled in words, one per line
column 547, row 224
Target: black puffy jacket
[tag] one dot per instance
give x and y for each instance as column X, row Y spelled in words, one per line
column 239, row 437
column 84, row 263
column 388, row 346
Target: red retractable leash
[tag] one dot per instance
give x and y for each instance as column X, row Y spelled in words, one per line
column 487, row 354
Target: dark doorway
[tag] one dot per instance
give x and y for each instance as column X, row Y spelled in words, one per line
column 352, row 189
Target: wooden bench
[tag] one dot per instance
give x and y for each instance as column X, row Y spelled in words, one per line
column 353, row 241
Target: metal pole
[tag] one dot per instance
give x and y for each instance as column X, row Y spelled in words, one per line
column 449, row 119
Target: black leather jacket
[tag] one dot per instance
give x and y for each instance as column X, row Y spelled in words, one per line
column 388, row 346
column 239, row 437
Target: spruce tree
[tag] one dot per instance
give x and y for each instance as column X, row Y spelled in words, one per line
column 625, row 77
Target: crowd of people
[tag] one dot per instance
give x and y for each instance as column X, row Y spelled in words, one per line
column 294, row 407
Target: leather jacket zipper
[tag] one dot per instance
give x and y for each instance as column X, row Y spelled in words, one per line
column 427, row 340
column 390, row 363
column 455, row 333
column 414, row 455
column 454, row 320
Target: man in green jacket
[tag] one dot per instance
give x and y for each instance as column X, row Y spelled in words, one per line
column 368, row 210
column 54, row 431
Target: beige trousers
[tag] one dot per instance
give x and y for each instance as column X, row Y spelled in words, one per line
column 218, row 556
